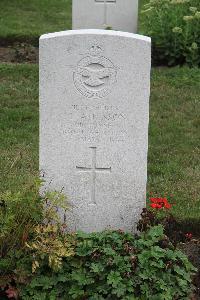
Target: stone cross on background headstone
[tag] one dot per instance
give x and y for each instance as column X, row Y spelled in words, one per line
column 100, row 14
column 94, row 112
column 105, row 2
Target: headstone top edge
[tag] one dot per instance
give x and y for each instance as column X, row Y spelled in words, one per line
column 96, row 32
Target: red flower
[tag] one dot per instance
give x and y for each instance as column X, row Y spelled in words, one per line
column 156, row 205
column 188, row 235
column 160, row 203
column 12, row 293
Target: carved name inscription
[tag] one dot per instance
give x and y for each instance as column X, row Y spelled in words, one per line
column 96, row 123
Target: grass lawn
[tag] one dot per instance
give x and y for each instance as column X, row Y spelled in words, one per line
column 18, row 125
column 28, row 19
column 174, row 153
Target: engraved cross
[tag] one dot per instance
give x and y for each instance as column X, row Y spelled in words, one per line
column 93, row 171
column 105, row 10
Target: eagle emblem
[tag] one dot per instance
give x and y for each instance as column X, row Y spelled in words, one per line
column 94, row 74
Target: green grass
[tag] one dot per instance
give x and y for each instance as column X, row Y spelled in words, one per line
column 174, row 139
column 174, row 153
column 18, row 125
column 28, row 19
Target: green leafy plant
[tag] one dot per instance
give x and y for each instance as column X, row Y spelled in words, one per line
column 117, row 265
column 19, row 213
column 31, row 232
column 50, row 243
column 174, row 26
column 159, row 212
column 40, row 260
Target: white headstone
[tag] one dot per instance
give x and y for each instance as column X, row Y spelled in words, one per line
column 100, row 14
column 94, row 112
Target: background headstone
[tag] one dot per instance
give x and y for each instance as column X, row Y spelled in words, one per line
column 99, row 14
column 94, row 112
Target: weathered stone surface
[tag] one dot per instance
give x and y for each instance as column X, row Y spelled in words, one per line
column 94, row 112
column 95, row 14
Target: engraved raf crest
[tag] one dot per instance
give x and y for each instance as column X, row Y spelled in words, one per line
column 95, row 74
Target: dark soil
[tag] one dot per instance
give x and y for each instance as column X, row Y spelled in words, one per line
column 192, row 250
column 19, row 53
